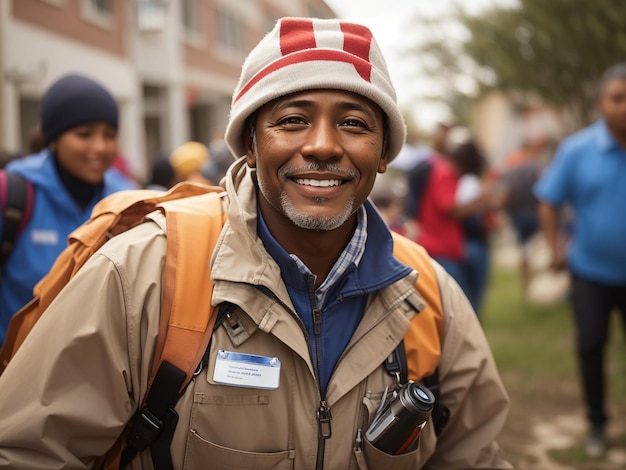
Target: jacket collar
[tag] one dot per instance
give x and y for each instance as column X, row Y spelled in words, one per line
column 241, row 246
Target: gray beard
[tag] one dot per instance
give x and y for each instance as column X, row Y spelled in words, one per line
column 305, row 221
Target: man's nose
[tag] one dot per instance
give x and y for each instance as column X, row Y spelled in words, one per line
column 322, row 142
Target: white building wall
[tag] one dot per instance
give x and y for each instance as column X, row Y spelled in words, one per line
column 36, row 58
column 32, row 58
column 160, row 62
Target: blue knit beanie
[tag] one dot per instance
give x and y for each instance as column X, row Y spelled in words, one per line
column 74, row 100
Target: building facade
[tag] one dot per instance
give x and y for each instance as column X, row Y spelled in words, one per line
column 171, row 64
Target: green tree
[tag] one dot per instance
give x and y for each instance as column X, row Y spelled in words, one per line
column 554, row 49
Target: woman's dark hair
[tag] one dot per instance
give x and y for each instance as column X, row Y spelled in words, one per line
column 469, row 159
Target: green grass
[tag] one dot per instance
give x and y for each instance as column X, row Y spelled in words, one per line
column 532, row 339
column 537, row 340
column 534, row 348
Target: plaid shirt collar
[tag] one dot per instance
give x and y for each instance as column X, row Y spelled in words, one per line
column 352, row 254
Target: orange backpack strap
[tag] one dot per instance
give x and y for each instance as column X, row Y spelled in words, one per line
column 111, row 216
column 193, row 228
column 422, row 341
column 187, row 320
column 194, row 220
column 417, row 357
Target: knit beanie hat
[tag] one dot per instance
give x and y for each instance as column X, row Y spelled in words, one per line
column 188, row 158
column 306, row 54
column 74, row 100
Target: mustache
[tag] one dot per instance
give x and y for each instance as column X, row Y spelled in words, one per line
column 320, row 167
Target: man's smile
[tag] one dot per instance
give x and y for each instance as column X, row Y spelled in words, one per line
column 319, row 183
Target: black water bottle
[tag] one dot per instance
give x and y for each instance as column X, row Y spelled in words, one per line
column 396, row 428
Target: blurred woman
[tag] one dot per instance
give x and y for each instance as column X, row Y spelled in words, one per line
column 79, row 122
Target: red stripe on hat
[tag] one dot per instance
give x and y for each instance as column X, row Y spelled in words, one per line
column 362, row 67
column 357, row 40
column 296, row 35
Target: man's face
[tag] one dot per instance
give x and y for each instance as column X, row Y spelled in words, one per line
column 87, row 151
column 613, row 105
column 317, row 154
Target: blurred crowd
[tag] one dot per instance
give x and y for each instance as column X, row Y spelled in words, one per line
column 450, row 198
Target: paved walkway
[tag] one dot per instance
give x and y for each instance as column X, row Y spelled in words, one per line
column 546, row 286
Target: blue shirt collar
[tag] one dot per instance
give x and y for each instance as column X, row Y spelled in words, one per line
column 606, row 142
column 351, row 255
column 377, row 266
column 293, row 269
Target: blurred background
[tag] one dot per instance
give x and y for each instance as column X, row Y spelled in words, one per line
column 513, row 71
column 510, row 69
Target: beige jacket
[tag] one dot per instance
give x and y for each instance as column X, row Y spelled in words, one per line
column 82, row 372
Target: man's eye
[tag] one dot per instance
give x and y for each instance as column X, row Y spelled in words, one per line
column 292, row 120
column 354, row 123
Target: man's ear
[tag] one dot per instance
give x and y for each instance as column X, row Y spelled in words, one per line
column 384, row 158
column 250, row 142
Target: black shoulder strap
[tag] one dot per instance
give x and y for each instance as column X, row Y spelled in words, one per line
column 154, row 424
column 396, row 366
column 14, row 191
column 156, row 416
column 441, row 413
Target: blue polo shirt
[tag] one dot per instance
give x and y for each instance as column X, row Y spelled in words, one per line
column 589, row 172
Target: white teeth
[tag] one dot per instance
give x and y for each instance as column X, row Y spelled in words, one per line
column 318, row 183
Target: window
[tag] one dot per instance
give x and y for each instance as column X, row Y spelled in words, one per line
column 151, row 15
column 191, row 16
column 230, row 36
column 99, row 12
column 102, row 7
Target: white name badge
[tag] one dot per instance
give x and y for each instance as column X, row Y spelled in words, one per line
column 247, row 370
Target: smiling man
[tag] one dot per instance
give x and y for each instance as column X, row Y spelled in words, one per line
column 316, row 156
column 315, row 299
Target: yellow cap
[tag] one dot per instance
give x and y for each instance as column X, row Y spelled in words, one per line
column 188, row 158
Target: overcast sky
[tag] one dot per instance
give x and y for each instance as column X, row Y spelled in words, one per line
column 389, row 21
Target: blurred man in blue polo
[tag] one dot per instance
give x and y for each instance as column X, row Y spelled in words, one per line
column 589, row 173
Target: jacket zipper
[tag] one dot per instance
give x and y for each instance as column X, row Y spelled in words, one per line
column 323, row 414
column 324, row 417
